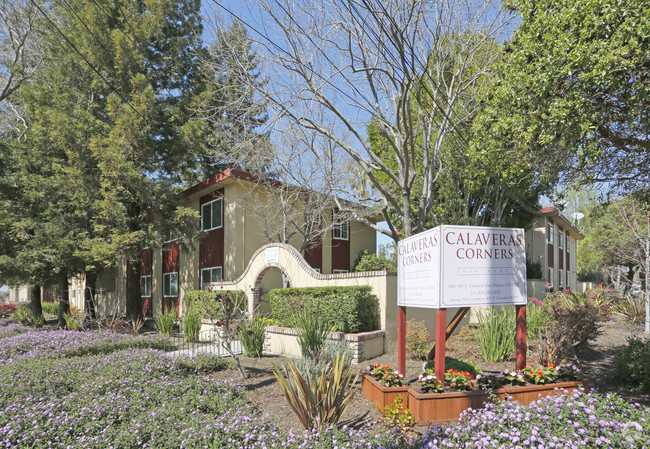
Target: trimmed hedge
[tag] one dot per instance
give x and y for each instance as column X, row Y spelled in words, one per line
column 346, row 309
column 204, row 302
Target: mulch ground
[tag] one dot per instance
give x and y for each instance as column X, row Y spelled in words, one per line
column 595, row 363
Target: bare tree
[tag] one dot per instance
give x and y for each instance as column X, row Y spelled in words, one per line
column 340, row 64
column 20, row 53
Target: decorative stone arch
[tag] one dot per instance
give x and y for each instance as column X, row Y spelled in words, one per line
column 300, row 274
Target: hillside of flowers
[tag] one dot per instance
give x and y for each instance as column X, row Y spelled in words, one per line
column 89, row 390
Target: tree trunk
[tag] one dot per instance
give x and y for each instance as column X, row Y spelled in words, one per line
column 89, row 292
column 133, row 298
column 35, row 302
column 64, row 301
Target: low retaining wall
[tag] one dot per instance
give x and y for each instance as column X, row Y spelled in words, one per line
column 364, row 345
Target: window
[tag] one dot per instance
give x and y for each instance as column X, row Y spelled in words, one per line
column 560, row 239
column 568, row 242
column 211, row 215
column 171, row 237
column 145, row 286
column 550, row 278
column 317, row 270
column 566, row 274
column 337, row 271
column 341, row 230
column 560, row 279
column 549, row 233
column 210, row 275
column 170, row 284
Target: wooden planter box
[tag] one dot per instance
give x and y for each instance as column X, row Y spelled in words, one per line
column 529, row 393
column 380, row 395
column 444, row 407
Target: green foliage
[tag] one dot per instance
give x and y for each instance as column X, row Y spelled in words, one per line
column 456, row 365
column 165, row 322
column 311, row 367
column 536, row 320
column 204, row 363
column 631, row 363
column 23, row 313
column 75, row 321
column 630, row 308
column 311, row 330
column 373, row 262
column 386, row 375
column 205, row 303
column 533, row 269
column 191, row 325
column 50, row 308
column 429, row 383
column 345, row 309
column 495, row 334
column 418, row 339
column 321, row 401
column 252, row 334
column 397, row 416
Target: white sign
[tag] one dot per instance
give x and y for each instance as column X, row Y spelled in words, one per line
column 272, row 254
column 467, row 266
column 418, row 270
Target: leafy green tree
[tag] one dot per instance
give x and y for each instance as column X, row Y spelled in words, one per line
column 574, row 89
column 99, row 172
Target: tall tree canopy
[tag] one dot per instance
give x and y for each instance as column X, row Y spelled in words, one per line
column 106, row 151
column 575, row 89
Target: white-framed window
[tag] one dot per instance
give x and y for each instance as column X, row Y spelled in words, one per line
column 568, row 242
column 337, row 271
column 560, row 279
column 549, row 233
column 171, row 237
column 341, row 230
column 170, row 285
column 212, row 215
column 317, row 270
column 560, row 238
column 145, row 286
column 208, row 275
column 550, row 278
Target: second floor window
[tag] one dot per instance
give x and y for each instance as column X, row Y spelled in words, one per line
column 341, row 230
column 145, row 286
column 560, row 239
column 170, row 284
column 211, row 215
column 549, row 233
column 568, row 243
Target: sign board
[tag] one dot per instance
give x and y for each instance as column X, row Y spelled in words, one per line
column 462, row 266
column 272, row 254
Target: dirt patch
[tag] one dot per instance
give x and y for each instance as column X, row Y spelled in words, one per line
column 595, row 363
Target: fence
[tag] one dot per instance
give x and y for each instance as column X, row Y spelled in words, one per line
column 209, row 342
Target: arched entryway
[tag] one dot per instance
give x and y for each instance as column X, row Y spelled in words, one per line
column 272, row 276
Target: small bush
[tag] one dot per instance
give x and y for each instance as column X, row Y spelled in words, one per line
column 418, row 339
column 206, row 303
column 312, row 331
column 165, row 322
column 345, row 309
column 536, row 320
column 7, row 310
column 372, row 262
column 311, row 367
column 630, row 309
column 50, row 308
column 191, row 324
column 632, row 363
column 252, row 335
column 495, row 334
column 23, row 313
column 456, row 365
column 204, row 363
column 74, row 320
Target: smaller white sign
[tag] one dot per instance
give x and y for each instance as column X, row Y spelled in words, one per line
column 272, row 254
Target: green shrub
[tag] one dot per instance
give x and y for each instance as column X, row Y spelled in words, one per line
column 632, row 363
column 456, row 364
column 75, row 321
column 50, row 308
column 191, row 324
column 372, row 262
column 204, row 363
column 23, row 313
column 345, row 309
column 630, row 309
column 311, row 367
column 165, row 322
column 418, row 339
column 205, row 302
column 495, row 334
column 536, row 320
column 312, row 331
column 252, row 335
